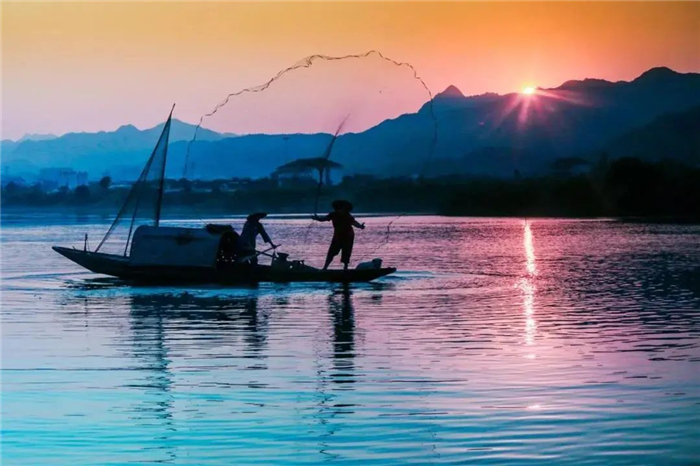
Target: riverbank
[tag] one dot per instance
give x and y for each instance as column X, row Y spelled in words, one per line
column 627, row 188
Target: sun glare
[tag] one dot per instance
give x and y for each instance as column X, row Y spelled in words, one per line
column 529, row 90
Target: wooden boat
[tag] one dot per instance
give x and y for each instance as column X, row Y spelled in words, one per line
column 163, row 255
column 190, row 255
column 119, row 266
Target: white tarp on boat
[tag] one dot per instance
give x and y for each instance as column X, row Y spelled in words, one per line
column 170, row 246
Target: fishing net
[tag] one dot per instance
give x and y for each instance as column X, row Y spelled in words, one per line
column 143, row 203
column 295, row 114
column 320, row 108
column 314, row 112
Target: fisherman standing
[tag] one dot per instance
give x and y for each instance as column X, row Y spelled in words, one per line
column 249, row 234
column 343, row 233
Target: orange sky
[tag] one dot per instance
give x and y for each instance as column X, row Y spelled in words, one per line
column 95, row 66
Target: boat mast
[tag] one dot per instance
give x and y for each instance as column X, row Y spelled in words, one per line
column 141, row 185
column 162, row 171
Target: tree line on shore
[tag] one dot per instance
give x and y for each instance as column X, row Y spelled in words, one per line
column 623, row 187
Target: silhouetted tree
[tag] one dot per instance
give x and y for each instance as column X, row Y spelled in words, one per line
column 11, row 188
column 82, row 192
column 105, row 182
column 36, row 194
column 634, row 187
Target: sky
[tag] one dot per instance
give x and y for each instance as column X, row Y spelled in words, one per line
column 95, row 66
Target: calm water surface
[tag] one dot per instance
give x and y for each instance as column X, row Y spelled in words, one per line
column 500, row 341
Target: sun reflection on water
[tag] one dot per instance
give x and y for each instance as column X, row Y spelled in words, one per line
column 529, row 250
column 527, row 285
column 528, row 307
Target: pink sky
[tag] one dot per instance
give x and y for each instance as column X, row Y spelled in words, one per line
column 95, row 66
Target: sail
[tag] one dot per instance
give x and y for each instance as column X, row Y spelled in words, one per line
column 143, row 203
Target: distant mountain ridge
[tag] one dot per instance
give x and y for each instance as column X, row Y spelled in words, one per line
column 488, row 134
column 37, row 137
column 573, row 119
column 676, row 134
column 484, row 132
column 125, row 147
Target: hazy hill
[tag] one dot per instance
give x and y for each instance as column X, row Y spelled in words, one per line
column 577, row 117
column 675, row 136
column 253, row 156
column 37, row 137
column 489, row 134
column 7, row 146
column 127, row 146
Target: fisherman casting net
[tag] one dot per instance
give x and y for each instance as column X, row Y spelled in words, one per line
column 313, row 123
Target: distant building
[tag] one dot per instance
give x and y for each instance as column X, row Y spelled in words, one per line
column 81, row 178
column 62, row 177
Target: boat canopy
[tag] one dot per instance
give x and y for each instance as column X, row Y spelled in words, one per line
column 181, row 247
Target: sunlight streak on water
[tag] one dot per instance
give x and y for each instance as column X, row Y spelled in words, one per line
column 529, row 249
column 528, row 287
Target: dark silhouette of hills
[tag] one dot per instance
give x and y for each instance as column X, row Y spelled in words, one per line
column 674, row 136
column 451, row 92
column 489, row 134
column 575, row 118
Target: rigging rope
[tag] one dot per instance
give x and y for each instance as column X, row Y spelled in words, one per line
column 326, row 157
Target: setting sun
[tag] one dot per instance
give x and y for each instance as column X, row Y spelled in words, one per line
column 528, row 90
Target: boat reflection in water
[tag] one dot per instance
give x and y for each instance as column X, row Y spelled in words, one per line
column 164, row 327
column 207, row 321
column 221, row 332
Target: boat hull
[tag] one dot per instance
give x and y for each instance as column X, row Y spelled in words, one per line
column 119, row 266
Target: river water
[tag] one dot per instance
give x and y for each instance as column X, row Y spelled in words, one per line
column 503, row 341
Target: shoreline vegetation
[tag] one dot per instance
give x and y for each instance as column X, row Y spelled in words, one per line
column 625, row 188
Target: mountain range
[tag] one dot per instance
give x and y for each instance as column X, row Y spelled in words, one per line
column 656, row 115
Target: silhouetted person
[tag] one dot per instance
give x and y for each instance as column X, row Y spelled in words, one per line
column 343, row 233
column 251, row 230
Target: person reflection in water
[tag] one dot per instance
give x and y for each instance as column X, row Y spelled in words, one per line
column 343, row 232
column 249, row 235
column 256, row 326
column 343, row 315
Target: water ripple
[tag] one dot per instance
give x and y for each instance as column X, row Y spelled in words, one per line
column 499, row 340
